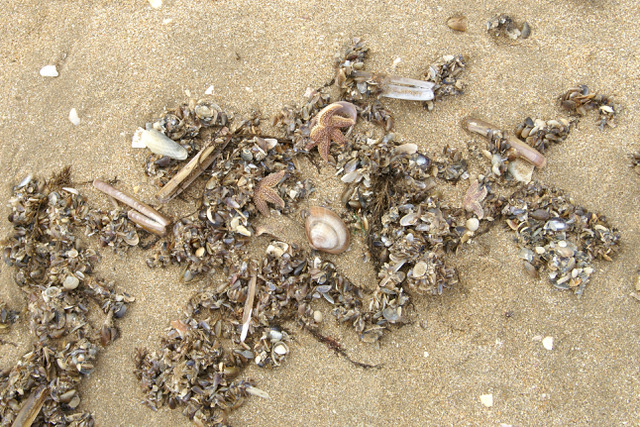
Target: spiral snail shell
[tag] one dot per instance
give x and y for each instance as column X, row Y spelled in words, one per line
column 325, row 230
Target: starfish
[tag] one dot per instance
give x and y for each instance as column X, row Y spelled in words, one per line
column 472, row 200
column 325, row 127
column 265, row 192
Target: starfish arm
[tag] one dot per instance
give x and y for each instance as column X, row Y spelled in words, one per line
column 340, row 122
column 271, row 180
column 326, row 114
column 323, row 149
column 338, row 137
column 272, row 196
column 261, row 205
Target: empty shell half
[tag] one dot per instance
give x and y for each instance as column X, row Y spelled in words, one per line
column 159, row 144
column 326, row 231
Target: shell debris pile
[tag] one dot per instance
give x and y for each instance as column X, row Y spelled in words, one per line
column 55, row 269
column 393, row 196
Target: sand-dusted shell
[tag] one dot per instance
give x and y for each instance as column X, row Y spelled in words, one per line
column 325, row 230
column 159, row 143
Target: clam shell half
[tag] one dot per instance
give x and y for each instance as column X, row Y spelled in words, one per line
column 326, row 231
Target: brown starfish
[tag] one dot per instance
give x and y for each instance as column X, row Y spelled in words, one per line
column 265, row 192
column 325, row 127
column 474, row 197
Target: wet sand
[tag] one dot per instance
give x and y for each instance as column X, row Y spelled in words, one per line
column 121, row 65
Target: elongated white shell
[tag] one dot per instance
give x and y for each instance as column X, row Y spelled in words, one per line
column 159, row 144
column 326, row 231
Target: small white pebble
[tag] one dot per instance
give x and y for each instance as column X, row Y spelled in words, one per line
column 426, row 354
column 317, row 316
column 209, row 90
column 156, row 4
column 73, row 117
column 49, row 71
column 487, row 400
column 547, row 342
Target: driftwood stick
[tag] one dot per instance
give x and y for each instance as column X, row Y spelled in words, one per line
column 198, row 164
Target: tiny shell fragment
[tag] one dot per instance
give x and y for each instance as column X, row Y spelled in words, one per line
column 473, row 224
column 487, row 400
column 73, row 117
column 71, row 282
column 547, row 342
column 457, row 23
column 49, row 71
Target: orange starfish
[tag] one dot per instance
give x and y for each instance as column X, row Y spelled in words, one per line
column 265, row 192
column 325, row 127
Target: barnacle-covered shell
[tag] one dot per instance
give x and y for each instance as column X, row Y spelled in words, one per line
column 325, row 230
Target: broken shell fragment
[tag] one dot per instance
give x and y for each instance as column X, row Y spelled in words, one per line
column 457, row 23
column 71, row 282
column 325, row 230
column 49, row 71
column 159, row 143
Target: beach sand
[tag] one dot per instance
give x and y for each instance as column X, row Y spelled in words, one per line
column 121, row 65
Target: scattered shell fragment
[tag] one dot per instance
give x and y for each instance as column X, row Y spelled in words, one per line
column 504, row 25
column 73, row 117
column 521, row 170
column 277, row 249
column 156, row 4
column 525, row 32
column 473, row 224
column 547, row 342
column 457, row 23
column 487, row 400
column 49, row 71
column 280, row 349
column 71, row 282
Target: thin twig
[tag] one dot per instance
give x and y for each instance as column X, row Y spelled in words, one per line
column 198, row 164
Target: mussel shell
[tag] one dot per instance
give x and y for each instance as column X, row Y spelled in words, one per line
column 325, row 230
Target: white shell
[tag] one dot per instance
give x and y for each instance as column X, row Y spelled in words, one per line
column 73, row 117
column 49, row 71
column 159, row 144
column 326, row 231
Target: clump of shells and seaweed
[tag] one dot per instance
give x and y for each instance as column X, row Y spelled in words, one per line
column 239, row 175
